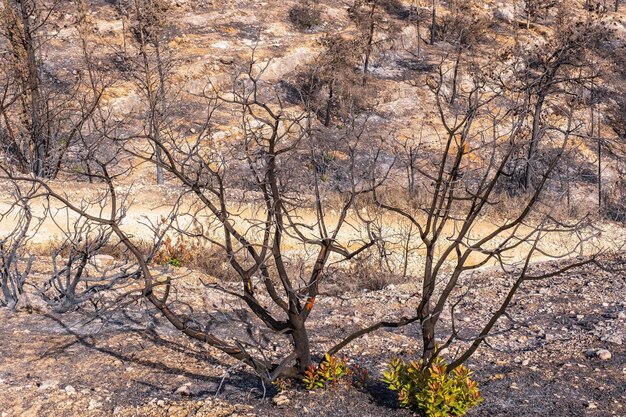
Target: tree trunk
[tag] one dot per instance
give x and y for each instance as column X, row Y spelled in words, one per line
column 302, row 347
column 599, row 165
column 432, row 24
column 455, row 76
column 329, row 102
column 418, row 30
column 160, row 110
column 38, row 141
column 428, row 339
column 427, row 322
column 370, row 41
column 534, row 141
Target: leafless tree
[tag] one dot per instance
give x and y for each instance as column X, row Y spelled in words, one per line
column 536, row 9
column 331, row 88
column 151, row 64
column 80, row 272
column 15, row 259
column 375, row 21
column 272, row 163
column 469, row 152
column 42, row 110
column 548, row 74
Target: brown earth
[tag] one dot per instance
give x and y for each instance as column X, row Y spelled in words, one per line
column 134, row 364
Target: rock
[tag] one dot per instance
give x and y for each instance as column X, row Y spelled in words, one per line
column 70, row 389
column 177, row 410
column 590, row 353
column 161, row 403
column 504, row 12
column 591, row 405
column 281, row 400
column 525, row 362
column 184, row 390
column 103, row 261
column 604, row 354
column 226, row 60
column 49, row 384
column 31, row 301
column 94, row 405
column 549, row 337
column 613, row 338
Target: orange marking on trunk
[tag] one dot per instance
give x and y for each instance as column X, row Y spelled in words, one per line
column 309, row 304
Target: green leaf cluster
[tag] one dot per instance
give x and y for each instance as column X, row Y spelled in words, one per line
column 330, row 371
column 432, row 390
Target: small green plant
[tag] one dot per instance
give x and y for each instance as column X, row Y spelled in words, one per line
column 172, row 253
column 329, row 372
column 432, row 390
column 282, row 384
column 175, row 262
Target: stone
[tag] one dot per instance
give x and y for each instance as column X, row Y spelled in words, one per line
column 281, row 400
column 49, row 384
column 70, row 389
column 227, row 60
column 549, row 337
column 184, row 390
column 613, row 338
column 604, row 354
column 591, row 405
column 94, row 405
column 102, row 261
column 504, row 12
column 30, row 301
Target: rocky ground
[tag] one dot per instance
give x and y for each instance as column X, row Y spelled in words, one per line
column 565, row 356
column 564, row 353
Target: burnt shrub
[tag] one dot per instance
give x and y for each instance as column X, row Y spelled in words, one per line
column 305, row 15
